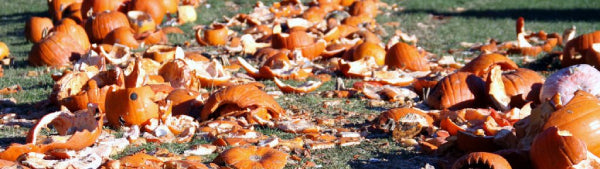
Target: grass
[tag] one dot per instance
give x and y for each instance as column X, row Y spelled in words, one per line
column 461, row 21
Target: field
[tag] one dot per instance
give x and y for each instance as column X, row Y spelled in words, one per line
column 440, row 25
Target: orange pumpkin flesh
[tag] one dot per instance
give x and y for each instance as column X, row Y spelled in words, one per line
column 252, row 157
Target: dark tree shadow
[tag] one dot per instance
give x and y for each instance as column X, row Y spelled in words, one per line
column 529, row 14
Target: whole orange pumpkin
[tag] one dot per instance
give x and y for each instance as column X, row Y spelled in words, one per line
column 456, row 91
column 153, row 7
column 91, row 8
column 103, row 23
column 37, row 27
column 366, row 49
column 75, row 30
column 55, row 50
column 406, row 57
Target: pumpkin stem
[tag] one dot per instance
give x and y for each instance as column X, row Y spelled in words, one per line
column 45, row 32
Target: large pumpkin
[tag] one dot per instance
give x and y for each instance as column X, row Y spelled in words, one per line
column 406, row 57
column 99, row 26
column 55, row 50
column 456, row 91
column 580, row 117
column 74, row 30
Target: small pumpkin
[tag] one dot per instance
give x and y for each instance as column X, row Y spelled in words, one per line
column 103, row 23
column 56, row 7
column 123, row 35
column 301, row 40
column 252, row 157
column 367, row 8
column 456, row 91
column 4, row 51
column 141, row 22
column 406, row 57
column 367, row 49
column 55, row 50
column 215, row 36
column 186, row 13
column 90, row 8
column 37, row 27
column 170, row 6
column 481, row 160
column 153, row 7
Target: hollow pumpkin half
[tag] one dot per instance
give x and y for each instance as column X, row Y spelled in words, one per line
column 239, row 98
column 79, row 140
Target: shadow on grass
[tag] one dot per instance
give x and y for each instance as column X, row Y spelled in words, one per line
column 4, row 142
column 405, row 159
column 577, row 14
column 22, row 17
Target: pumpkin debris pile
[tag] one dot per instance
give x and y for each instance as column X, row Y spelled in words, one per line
column 118, row 65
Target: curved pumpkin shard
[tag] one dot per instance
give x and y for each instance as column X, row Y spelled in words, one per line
column 395, row 78
column 239, row 98
column 306, row 87
column 251, row 70
column 79, row 140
